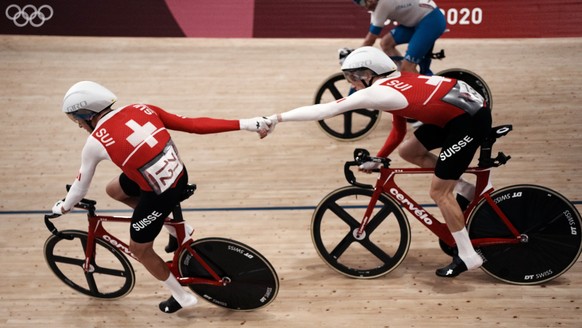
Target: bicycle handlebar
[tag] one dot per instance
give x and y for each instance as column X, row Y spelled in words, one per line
column 362, row 156
column 51, row 227
column 84, row 204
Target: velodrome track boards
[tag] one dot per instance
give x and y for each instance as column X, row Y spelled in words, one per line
column 262, row 192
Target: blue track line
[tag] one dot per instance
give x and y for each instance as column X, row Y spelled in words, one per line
column 211, row 209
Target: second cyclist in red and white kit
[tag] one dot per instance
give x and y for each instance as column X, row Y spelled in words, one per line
column 456, row 119
column 136, row 139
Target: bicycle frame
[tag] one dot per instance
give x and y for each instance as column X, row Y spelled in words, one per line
column 386, row 184
column 97, row 230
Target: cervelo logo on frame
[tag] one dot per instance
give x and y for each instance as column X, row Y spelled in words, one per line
column 29, row 14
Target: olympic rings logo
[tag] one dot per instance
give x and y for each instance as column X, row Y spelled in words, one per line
column 29, row 14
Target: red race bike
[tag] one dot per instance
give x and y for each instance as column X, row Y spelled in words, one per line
column 527, row 234
column 224, row 272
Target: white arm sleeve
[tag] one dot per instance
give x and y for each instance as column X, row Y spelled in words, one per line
column 375, row 97
column 92, row 154
column 313, row 113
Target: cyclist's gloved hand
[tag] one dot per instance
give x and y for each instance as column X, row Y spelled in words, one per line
column 368, row 167
column 343, row 53
column 58, row 208
column 274, row 120
column 258, row 124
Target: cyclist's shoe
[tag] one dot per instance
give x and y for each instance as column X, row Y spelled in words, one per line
column 171, row 305
column 454, row 269
column 463, row 202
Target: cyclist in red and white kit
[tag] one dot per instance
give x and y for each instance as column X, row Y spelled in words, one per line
column 456, row 119
column 136, row 139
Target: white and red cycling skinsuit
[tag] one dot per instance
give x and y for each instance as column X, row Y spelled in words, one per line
column 448, row 107
column 136, row 139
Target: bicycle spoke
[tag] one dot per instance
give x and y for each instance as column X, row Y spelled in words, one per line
column 334, row 91
column 348, row 123
column 91, row 282
column 109, row 272
column 376, row 251
column 342, row 246
column 68, row 260
column 344, row 215
column 377, row 219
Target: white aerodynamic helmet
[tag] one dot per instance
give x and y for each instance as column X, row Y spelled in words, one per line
column 371, row 58
column 86, row 99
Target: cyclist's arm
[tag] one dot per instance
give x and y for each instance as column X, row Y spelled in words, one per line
column 92, row 154
column 395, row 137
column 378, row 20
column 375, row 97
column 319, row 112
column 198, row 125
column 373, row 34
column 369, row 40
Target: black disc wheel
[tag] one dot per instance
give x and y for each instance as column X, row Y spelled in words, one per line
column 550, row 234
column 250, row 281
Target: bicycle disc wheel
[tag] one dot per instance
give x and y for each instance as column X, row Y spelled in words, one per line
column 472, row 79
column 551, row 234
column 111, row 275
column 252, row 280
column 380, row 249
column 351, row 125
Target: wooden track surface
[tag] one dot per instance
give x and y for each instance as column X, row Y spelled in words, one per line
column 535, row 85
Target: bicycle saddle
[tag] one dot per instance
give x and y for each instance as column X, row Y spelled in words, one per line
column 500, row 131
column 188, row 191
column 485, row 159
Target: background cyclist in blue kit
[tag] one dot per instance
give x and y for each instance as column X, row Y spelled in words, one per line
column 420, row 24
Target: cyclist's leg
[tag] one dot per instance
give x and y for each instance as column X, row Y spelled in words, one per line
column 398, row 35
column 123, row 189
column 463, row 137
column 147, row 221
column 416, row 149
column 421, row 43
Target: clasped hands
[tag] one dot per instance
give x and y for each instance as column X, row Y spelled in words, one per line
column 262, row 125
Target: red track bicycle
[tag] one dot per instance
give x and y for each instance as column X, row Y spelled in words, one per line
column 527, row 234
column 224, row 272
